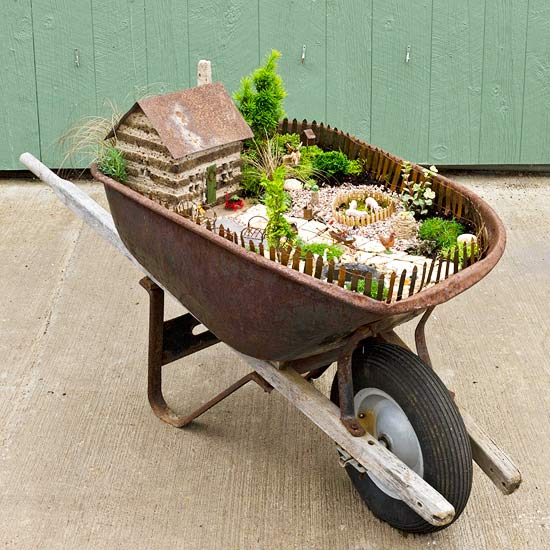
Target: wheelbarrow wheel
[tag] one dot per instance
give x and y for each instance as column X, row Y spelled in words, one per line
column 402, row 402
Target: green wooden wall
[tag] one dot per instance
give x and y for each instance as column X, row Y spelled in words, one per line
column 475, row 91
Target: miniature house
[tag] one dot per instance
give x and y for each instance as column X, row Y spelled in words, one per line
column 183, row 148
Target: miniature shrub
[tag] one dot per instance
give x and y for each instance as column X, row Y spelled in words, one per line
column 310, row 152
column 113, row 164
column 260, row 99
column 443, row 232
column 278, row 229
column 333, row 164
column 418, row 196
column 354, row 168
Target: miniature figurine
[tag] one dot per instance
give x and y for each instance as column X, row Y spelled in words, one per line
column 372, row 204
column 387, row 241
column 293, row 157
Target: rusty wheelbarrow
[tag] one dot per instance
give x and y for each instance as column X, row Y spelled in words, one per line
column 399, row 433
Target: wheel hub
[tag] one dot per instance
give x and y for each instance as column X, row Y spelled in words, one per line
column 384, row 419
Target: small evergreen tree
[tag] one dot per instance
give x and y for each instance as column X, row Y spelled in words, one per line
column 260, row 99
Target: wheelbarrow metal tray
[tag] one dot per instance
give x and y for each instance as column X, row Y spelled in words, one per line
column 260, row 308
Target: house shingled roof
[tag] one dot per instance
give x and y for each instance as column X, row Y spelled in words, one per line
column 194, row 120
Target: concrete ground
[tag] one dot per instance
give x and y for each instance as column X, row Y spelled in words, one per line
column 85, row 464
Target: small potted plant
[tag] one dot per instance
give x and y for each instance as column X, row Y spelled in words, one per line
column 233, row 203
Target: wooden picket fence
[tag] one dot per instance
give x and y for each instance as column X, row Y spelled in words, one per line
column 366, row 218
column 389, row 288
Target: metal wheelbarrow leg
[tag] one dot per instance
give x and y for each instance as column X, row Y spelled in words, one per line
column 172, row 340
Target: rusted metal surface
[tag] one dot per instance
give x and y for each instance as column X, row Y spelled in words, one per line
column 346, row 395
column 257, row 306
column 171, row 340
column 195, row 120
column 420, row 338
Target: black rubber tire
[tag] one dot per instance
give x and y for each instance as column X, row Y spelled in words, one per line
column 445, row 445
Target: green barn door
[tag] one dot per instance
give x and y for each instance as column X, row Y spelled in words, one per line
column 401, row 58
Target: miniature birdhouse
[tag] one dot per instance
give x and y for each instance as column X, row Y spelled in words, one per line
column 184, row 148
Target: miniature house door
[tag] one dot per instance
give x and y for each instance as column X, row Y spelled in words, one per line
column 211, row 184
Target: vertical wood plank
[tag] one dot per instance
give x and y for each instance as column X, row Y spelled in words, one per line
column 401, row 285
column 18, row 107
column 413, row 280
column 400, row 90
column 296, row 259
column 380, row 293
column 390, row 288
column 308, row 268
column 226, row 33
column 342, row 276
column 349, row 65
column 285, row 254
column 65, row 88
column 168, row 67
column 331, row 269
column 318, row 267
column 120, row 56
column 535, row 143
column 286, row 25
column 423, row 278
column 503, row 77
column 456, row 73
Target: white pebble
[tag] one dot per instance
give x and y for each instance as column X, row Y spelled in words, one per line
column 466, row 238
column 293, row 185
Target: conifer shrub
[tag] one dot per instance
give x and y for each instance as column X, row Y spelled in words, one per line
column 260, row 98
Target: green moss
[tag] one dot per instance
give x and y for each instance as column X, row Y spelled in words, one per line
column 373, row 290
column 113, row 164
column 443, row 232
column 318, row 249
column 452, row 249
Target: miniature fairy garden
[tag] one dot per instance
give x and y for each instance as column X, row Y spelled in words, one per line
column 302, row 194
